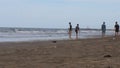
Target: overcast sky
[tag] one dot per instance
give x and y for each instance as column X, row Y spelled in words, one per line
column 57, row 13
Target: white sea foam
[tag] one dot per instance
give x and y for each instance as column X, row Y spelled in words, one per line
column 45, row 34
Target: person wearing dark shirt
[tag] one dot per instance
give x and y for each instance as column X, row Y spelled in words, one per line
column 116, row 29
column 70, row 30
column 103, row 28
column 77, row 30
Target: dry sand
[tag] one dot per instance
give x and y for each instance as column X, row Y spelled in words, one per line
column 87, row 53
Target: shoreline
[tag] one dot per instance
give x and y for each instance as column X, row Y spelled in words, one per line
column 48, row 35
column 32, row 40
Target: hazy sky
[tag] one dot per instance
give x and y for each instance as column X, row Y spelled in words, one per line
column 57, row 13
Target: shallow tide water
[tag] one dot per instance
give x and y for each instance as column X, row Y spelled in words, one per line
column 48, row 35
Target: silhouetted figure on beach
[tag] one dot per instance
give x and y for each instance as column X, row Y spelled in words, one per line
column 116, row 29
column 103, row 28
column 70, row 30
column 77, row 30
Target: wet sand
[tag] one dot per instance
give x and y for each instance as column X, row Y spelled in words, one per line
column 86, row 53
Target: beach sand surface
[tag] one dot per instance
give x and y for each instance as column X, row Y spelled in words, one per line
column 83, row 53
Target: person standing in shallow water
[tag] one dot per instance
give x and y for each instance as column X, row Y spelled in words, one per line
column 70, row 30
column 103, row 28
column 77, row 30
column 116, row 29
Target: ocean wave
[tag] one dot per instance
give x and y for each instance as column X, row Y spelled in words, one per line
column 46, row 34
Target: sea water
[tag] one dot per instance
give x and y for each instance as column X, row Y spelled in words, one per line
column 43, row 34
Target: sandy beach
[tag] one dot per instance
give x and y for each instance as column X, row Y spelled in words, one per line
column 84, row 53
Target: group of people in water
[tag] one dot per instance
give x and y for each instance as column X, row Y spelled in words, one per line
column 77, row 30
column 103, row 29
column 116, row 27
